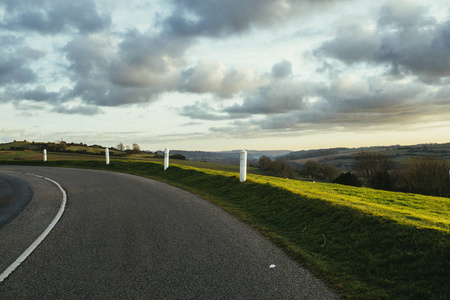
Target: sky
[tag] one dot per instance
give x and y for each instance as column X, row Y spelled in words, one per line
column 225, row 75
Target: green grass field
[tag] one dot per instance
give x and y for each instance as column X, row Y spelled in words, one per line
column 367, row 244
column 32, row 146
column 37, row 155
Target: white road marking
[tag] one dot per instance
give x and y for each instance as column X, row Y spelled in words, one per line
column 43, row 235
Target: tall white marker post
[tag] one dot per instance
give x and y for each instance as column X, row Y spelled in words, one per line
column 107, row 155
column 243, row 166
column 166, row 158
column 45, row 154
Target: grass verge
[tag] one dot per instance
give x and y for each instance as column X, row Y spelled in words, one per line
column 366, row 244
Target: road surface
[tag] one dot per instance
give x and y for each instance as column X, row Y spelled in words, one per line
column 127, row 237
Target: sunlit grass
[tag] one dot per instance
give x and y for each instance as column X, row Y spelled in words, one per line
column 412, row 209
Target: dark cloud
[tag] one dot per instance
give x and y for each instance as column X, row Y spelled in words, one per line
column 282, row 69
column 404, row 15
column 103, row 93
column 222, row 18
column 277, row 97
column 50, row 17
column 114, row 69
column 149, row 61
column 352, row 104
column 14, row 61
column 138, row 70
column 40, row 94
column 406, row 40
column 349, row 94
column 352, row 44
column 30, row 99
column 156, row 52
column 87, row 55
column 202, row 111
column 79, row 110
column 14, row 70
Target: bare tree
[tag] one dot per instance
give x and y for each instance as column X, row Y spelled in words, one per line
column 313, row 169
column 373, row 168
column 428, row 175
column 330, row 172
column 264, row 163
column 136, row 148
column 276, row 168
column 120, row 147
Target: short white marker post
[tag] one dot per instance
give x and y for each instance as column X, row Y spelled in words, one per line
column 45, row 154
column 243, row 166
column 166, row 158
column 107, row 155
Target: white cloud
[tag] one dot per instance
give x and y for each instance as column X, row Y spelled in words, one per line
column 212, row 77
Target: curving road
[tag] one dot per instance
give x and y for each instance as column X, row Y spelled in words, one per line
column 128, row 237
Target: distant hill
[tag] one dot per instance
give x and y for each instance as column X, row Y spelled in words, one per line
column 343, row 157
column 339, row 157
column 60, row 146
column 227, row 157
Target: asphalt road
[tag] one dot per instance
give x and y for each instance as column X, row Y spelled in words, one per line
column 128, row 237
column 15, row 195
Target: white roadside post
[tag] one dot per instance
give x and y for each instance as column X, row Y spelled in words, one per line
column 45, row 154
column 166, row 158
column 107, row 155
column 243, row 166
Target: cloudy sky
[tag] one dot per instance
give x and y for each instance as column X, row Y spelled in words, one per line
column 223, row 75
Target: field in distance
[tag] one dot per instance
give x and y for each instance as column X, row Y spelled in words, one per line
column 33, row 151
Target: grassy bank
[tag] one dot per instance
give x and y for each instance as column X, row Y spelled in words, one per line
column 38, row 156
column 367, row 244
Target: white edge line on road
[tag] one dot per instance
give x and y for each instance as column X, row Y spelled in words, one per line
column 43, row 235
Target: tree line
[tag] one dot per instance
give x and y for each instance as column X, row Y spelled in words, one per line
column 421, row 175
column 312, row 169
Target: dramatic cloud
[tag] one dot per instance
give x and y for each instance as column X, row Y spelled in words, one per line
column 155, row 60
column 50, row 17
column 349, row 103
column 223, row 18
column 120, row 68
column 407, row 40
column 241, row 67
column 136, row 70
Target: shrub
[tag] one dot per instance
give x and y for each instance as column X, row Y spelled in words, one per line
column 313, row 169
column 178, row 156
column 277, row 168
column 348, row 179
column 372, row 167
